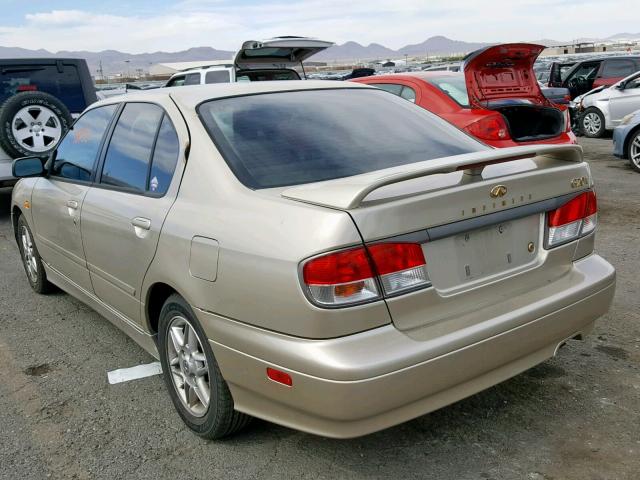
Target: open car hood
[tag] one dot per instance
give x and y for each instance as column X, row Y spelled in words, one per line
column 278, row 52
column 503, row 72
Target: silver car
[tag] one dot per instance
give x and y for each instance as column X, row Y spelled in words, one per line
column 322, row 255
column 604, row 108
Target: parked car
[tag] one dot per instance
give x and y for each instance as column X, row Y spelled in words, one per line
column 273, row 59
column 322, row 255
column 626, row 139
column 556, row 95
column 497, row 98
column 38, row 98
column 583, row 76
column 604, row 108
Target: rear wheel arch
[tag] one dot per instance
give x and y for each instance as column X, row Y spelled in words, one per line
column 627, row 140
column 16, row 213
column 157, row 295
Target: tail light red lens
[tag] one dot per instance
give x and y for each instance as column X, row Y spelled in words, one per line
column 574, row 219
column 279, row 376
column 356, row 275
column 489, row 127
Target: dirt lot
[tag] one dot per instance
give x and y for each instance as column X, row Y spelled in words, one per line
column 574, row 417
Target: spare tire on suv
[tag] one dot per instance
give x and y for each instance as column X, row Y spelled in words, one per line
column 32, row 124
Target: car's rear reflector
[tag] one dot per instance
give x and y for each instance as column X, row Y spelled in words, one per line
column 574, row 219
column 354, row 276
column 279, row 376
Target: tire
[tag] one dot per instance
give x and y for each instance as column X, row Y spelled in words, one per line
column 31, row 260
column 218, row 418
column 592, row 123
column 633, row 150
column 32, row 124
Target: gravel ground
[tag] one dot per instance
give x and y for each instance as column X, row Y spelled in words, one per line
column 574, row 417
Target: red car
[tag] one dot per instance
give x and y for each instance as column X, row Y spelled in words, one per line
column 497, row 99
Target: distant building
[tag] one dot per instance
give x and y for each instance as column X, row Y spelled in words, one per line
column 590, row 47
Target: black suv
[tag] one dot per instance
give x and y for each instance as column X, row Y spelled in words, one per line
column 581, row 77
column 38, row 97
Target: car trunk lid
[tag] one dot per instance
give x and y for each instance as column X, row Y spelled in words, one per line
column 503, row 72
column 278, row 52
column 479, row 218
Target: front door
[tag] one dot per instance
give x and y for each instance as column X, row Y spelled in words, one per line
column 123, row 212
column 57, row 199
column 623, row 102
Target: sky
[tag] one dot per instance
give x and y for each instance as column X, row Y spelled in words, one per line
column 137, row 26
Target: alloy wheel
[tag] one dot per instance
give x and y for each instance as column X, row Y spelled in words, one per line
column 634, row 152
column 28, row 254
column 592, row 123
column 36, row 128
column 188, row 365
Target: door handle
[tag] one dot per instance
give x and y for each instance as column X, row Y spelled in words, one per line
column 72, row 204
column 141, row 222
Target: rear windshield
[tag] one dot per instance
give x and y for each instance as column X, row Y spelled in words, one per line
column 63, row 85
column 266, row 75
column 454, row 86
column 290, row 138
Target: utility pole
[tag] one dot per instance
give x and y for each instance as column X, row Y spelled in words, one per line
column 100, row 71
column 127, row 62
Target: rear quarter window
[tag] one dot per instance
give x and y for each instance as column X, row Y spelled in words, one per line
column 290, row 138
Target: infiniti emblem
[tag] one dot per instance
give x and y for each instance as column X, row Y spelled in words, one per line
column 498, row 191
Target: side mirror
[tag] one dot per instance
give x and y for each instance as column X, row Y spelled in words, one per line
column 620, row 86
column 28, row 167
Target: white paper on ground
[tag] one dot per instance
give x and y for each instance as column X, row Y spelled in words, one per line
column 134, row 373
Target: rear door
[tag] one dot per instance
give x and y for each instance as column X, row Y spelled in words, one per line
column 123, row 213
column 57, row 200
column 622, row 102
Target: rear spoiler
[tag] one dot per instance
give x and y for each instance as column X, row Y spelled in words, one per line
column 348, row 193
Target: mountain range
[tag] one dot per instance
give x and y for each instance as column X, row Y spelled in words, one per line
column 114, row 61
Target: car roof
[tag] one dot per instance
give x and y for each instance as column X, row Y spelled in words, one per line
column 191, row 96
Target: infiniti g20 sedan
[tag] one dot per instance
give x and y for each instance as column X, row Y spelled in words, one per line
column 322, row 255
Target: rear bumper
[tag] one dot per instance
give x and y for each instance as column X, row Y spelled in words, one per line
column 566, row 138
column 355, row 385
column 619, row 136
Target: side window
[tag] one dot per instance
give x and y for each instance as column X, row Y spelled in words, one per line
column 389, row 87
column 192, row 79
column 176, row 82
column 126, row 163
column 165, row 157
column 634, row 83
column 76, row 155
column 408, row 93
column 618, row 68
column 217, row 76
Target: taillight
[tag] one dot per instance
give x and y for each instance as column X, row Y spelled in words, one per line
column 400, row 266
column 574, row 219
column 489, row 127
column 363, row 274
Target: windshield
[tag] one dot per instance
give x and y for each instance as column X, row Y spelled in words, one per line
column 454, row 86
column 290, row 138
